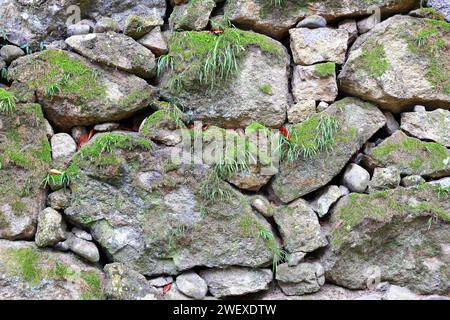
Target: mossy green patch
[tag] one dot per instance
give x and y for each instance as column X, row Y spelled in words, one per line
column 93, row 286
column 266, row 88
column 25, row 262
column 373, row 60
column 61, row 74
column 324, row 70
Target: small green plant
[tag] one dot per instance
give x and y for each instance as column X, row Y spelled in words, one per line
column 266, row 88
column 26, row 261
column 60, row 271
column 92, row 289
column 27, row 49
column 165, row 62
column 57, row 179
column 374, row 61
column 4, row 73
column 52, row 89
column 7, row 102
column 279, row 255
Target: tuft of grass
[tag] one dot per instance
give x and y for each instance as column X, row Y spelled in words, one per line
column 7, row 102
column 57, row 179
column 307, row 139
column 324, row 70
column 374, row 61
column 60, row 271
column 279, row 255
column 170, row 113
column 92, row 289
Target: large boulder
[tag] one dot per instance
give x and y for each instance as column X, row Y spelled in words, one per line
column 25, row 158
column 257, row 90
column 115, row 50
column 157, row 216
column 432, row 125
column 400, row 236
column 29, row 273
column 28, row 24
column 357, row 120
column 411, row 156
column 405, row 48
column 193, row 15
column 275, row 20
column 74, row 92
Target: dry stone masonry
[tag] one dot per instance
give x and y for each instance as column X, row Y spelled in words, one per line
column 244, row 149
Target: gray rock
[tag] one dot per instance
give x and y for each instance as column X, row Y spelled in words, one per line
column 155, row 41
column 358, row 121
column 236, row 281
column 106, row 25
column 192, row 285
column 313, row 22
column 300, row 111
column 367, row 24
column 85, row 249
column 344, row 190
column 263, row 206
column 137, row 26
column 104, row 94
column 302, row 279
column 310, row 84
column 164, row 127
column 391, row 123
column 59, row 200
column 123, row 283
column 388, row 237
column 48, row 129
column 115, row 50
column 322, row 106
column 430, row 126
column 78, row 29
column 351, row 27
column 63, row 147
column 443, row 183
column 160, row 282
column 81, row 234
column 106, row 127
column 10, row 53
column 384, row 178
column 356, row 178
column 419, row 108
column 411, row 156
column 299, row 227
column 399, row 293
column 26, row 159
column 325, row 199
column 411, row 181
column 54, row 275
column 295, row 258
column 191, row 16
column 386, row 45
column 51, row 228
column 310, row 46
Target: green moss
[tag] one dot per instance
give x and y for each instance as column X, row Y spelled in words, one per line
column 63, row 74
column 324, row 70
column 25, row 261
column 18, row 207
column 374, row 61
column 93, row 286
column 422, row 153
column 428, row 40
column 255, row 127
column 431, row 13
column 171, row 113
column 266, row 88
column 44, row 152
column 60, row 271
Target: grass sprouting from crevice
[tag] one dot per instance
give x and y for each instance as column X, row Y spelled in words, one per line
column 7, row 102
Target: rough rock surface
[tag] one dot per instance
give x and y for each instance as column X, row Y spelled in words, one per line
column 268, row 18
column 115, row 50
column 51, row 229
column 25, row 157
column 299, row 227
column 356, row 178
column 63, row 147
column 192, row 285
column 310, row 46
column 29, row 273
column 154, row 40
column 193, row 15
column 162, row 223
column 80, row 93
column 244, row 98
column 123, row 283
column 433, row 126
column 384, row 178
column 309, row 84
column 358, row 122
column 325, row 199
column 236, row 281
column 302, row 279
column 389, row 52
column 397, row 236
column 411, row 156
